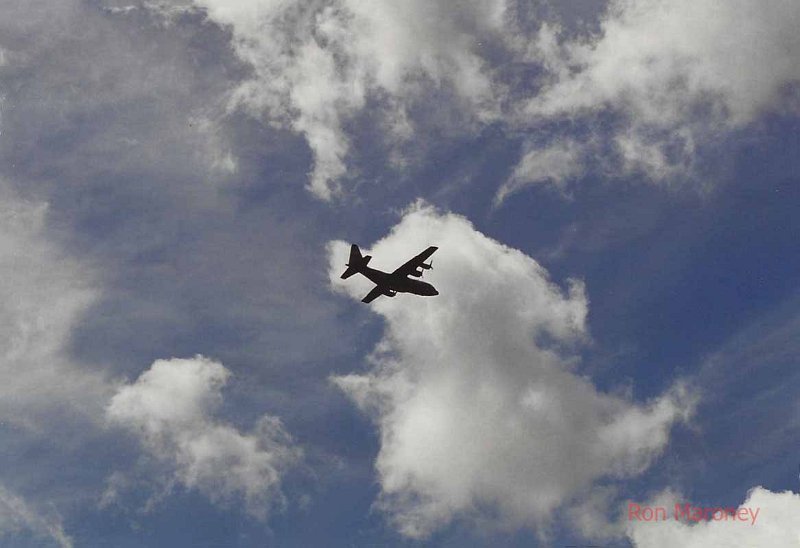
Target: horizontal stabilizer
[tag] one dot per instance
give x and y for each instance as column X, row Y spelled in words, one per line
column 356, row 262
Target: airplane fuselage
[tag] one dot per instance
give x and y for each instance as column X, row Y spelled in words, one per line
column 392, row 283
column 400, row 284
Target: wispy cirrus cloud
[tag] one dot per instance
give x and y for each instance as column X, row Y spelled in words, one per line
column 556, row 164
column 47, row 397
column 43, row 296
column 316, row 65
column 16, row 516
column 674, row 78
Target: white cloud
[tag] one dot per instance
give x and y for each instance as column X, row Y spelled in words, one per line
column 658, row 57
column 679, row 73
column 679, row 70
column 776, row 525
column 590, row 515
column 42, row 297
column 45, row 396
column 315, row 65
column 17, row 516
column 555, row 164
column 151, row 64
column 475, row 393
column 170, row 408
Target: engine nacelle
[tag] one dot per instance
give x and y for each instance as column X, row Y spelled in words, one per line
column 417, row 272
column 427, row 266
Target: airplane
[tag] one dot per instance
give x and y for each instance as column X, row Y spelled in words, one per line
column 390, row 284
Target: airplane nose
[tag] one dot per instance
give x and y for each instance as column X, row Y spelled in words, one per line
column 435, row 292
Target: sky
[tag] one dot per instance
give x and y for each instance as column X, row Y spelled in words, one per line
column 613, row 189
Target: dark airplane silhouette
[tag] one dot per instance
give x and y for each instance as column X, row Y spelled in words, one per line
column 390, row 284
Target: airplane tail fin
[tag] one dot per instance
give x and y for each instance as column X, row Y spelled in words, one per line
column 356, row 262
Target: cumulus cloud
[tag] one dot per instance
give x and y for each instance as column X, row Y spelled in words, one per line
column 679, row 72
column 17, row 516
column 315, row 65
column 43, row 295
column 776, row 525
column 475, row 392
column 170, row 407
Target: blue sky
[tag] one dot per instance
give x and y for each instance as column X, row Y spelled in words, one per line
column 613, row 188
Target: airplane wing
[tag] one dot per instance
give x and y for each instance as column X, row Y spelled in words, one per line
column 415, row 263
column 372, row 295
